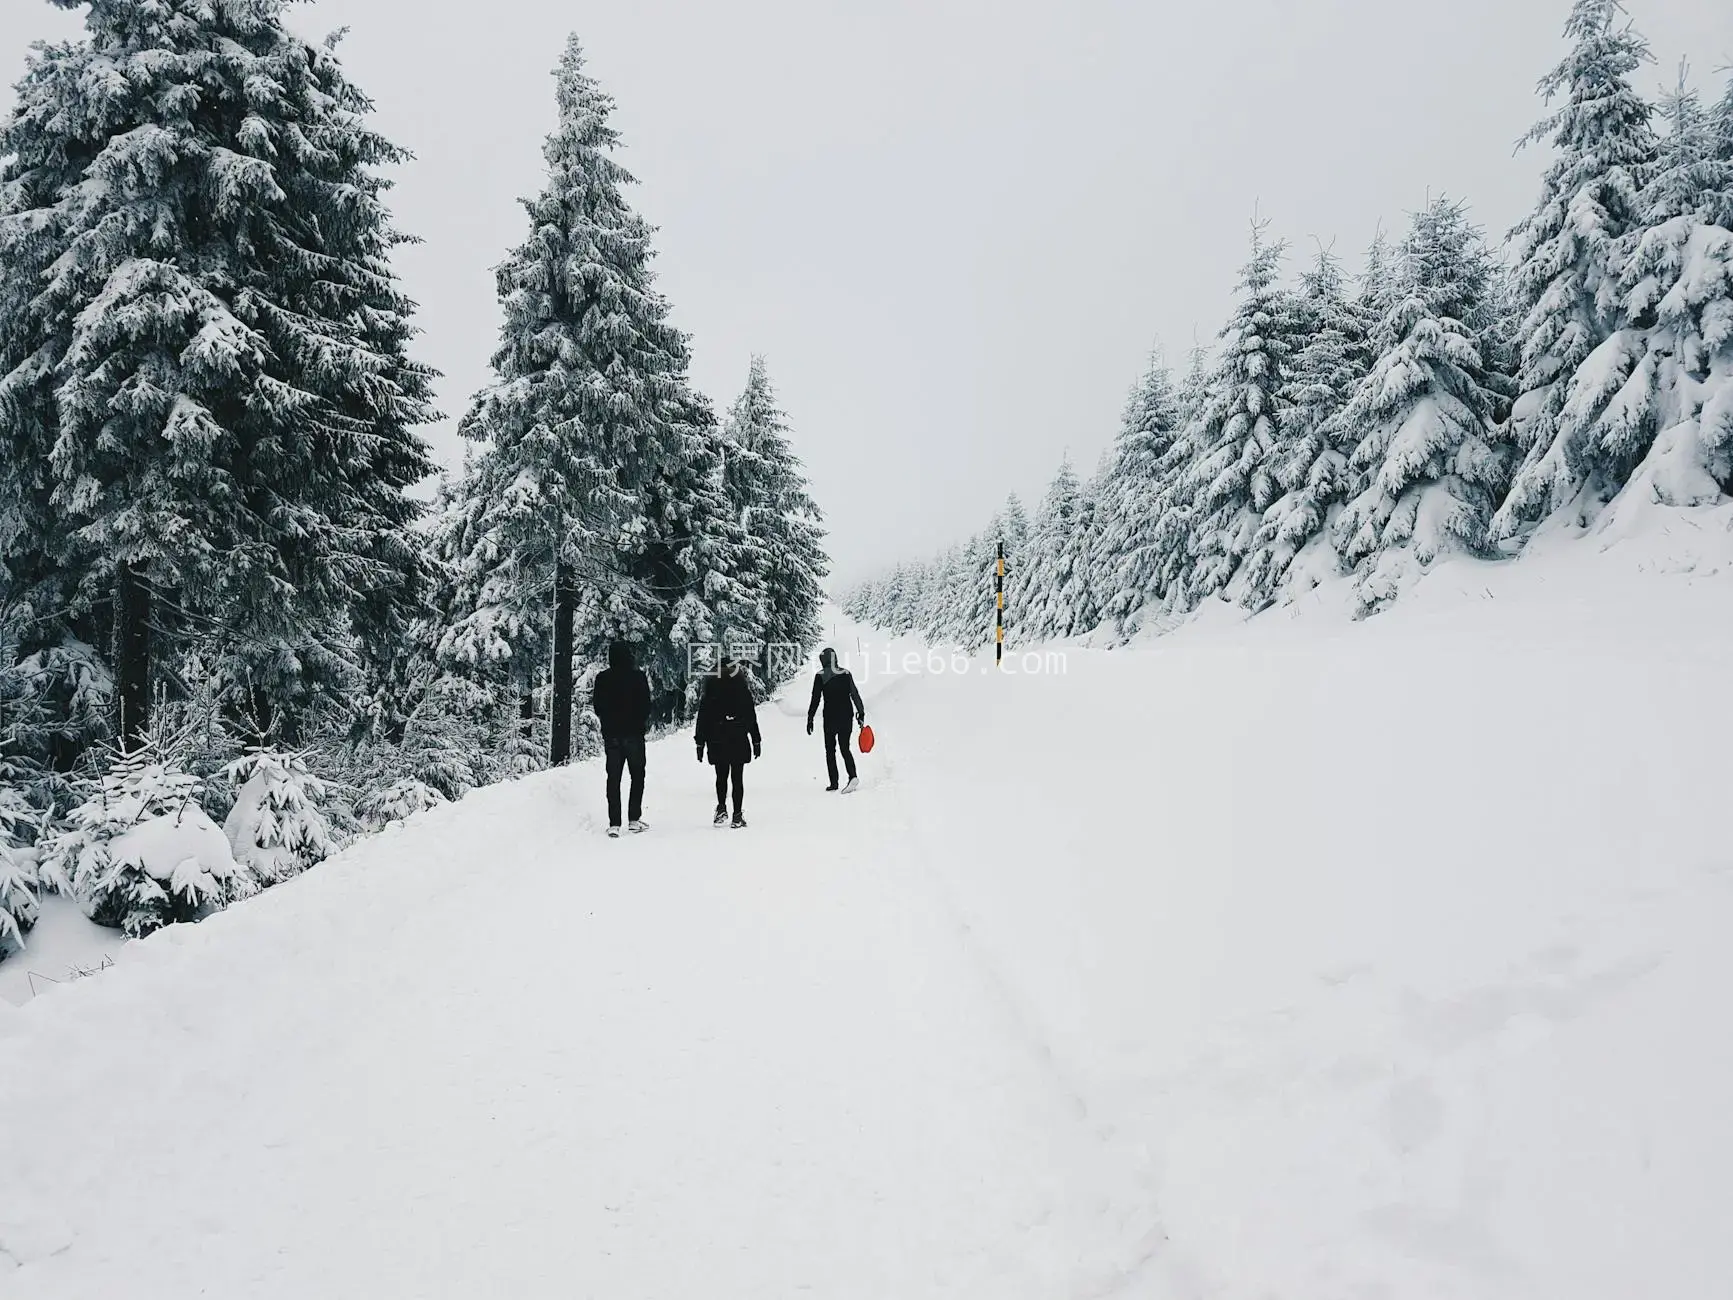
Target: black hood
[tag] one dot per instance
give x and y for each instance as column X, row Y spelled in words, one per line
column 827, row 665
column 620, row 655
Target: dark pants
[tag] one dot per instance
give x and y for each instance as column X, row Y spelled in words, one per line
column 624, row 752
column 838, row 734
column 726, row 772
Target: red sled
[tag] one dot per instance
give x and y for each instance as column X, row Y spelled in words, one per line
column 866, row 740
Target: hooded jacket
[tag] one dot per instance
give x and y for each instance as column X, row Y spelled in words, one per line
column 834, row 686
column 622, row 696
column 727, row 720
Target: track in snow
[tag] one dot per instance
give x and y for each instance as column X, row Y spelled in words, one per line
column 494, row 1052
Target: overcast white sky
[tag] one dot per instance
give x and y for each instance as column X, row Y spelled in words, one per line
column 954, row 227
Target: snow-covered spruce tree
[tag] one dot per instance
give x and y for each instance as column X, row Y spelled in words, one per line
column 217, row 343
column 598, row 452
column 1171, row 546
column 21, row 880
column 1088, row 583
column 1041, row 578
column 1132, row 492
column 682, row 558
column 277, row 827
column 956, row 608
column 782, row 535
column 36, row 587
column 55, row 700
column 1571, row 251
column 1428, row 463
column 890, row 601
column 492, row 616
column 1231, row 481
column 396, row 801
column 1653, row 405
column 1377, row 279
column 139, row 852
column 1720, row 184
column 1014, row 522
column 1313, row 444
column 935, row 594
column 976, row 598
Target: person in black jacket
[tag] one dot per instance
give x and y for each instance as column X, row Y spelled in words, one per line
column 622, row 703
column 728, row 728
column 834, row 687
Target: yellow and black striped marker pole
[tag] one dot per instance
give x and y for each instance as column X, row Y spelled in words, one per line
column 999, row 611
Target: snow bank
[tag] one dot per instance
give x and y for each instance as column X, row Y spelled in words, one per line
column 1397, row 943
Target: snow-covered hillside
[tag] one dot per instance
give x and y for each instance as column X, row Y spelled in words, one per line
column 1299, row 958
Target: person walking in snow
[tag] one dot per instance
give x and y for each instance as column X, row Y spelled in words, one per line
column 728, row 728
column 622, row 703
column 834, row 687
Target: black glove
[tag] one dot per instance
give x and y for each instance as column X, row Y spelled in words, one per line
column 700, row 751
column 809, row 726
column 861, row 720
column 757, row 748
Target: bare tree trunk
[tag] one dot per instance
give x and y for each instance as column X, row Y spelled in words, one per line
column 565, row 612
column 132, row 651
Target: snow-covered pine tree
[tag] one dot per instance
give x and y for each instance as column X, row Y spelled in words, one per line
column 492, row 621
column 1016, row 525
column 277, row 827
column 1087, row 583
column 139, row 852
column 979, row 596
column 1049, row 586
column 957, row 611
column 1172, row 547
column 20, row 879
column 1428, row 463
column 1013, row 525
column 1232, row 482
column 1132, row 495
column 1654, row 403
column 34, row 537
column 781, row 525
column 683, row 557
column 210, row 329
column 936, row 595
column 1571, row 251
column 1721, row 174
column 894, row 598
column 589, row 374
column 396, row 801
column 1313, row 443
column 1377, row 279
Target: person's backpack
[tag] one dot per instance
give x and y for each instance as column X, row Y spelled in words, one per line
column 866, row 739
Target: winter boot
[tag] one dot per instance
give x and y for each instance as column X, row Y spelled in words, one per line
column 640, row 826
column 852, row 786
column 739, row 823
column 721, row 816
column 831, row 788
column 613, row 832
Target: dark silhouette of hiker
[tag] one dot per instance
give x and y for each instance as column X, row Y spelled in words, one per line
column 622, row 704
column 728, row 728
column 834, row 688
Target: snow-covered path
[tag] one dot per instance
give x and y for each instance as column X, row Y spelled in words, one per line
column 495, row 1053
column 1293, row 959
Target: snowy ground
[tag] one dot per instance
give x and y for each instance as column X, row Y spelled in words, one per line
column 63, row 947
column 1298, row 959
